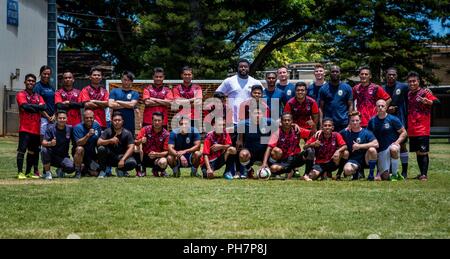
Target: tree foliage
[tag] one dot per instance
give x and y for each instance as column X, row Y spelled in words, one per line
column 210, row 35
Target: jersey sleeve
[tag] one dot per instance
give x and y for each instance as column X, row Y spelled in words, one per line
column 228, row 139
column 176, row 92
column 135, row 96
column 84, row 96
column 169, row 95
column 198, row 92
column 304, row 133
column 207, row 146
column 224, row 87
column 166, row 143
column 145, row 94
column 382, row 94
column 287, row 107
column 315, row 108
column 311, row 140
column 21, row 99
column 430, row 96
column 172, row 138
column 141, row 134
column 273, row 140
column 340, row 140
column 113, row 96
column 106, row 96
column 77, row 133
column 58, row 97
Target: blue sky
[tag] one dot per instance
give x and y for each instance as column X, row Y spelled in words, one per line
column 438, row 28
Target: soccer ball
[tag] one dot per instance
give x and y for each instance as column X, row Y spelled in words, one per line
column 264, row 173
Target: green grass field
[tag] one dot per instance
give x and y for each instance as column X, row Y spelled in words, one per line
column 194, row 208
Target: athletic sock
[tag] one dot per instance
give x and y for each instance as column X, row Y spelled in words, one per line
column 20, row 157
column 394, row 165
column 423, row 161
column 30, row 162
column 404, row 159
column 372, row 164
column 341, row 167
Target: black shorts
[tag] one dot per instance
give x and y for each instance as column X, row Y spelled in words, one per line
column 289, row 163
column 148, row 162
column 326, row 167
column 360, row 163
column 256, row 155
column 28, row 141
column 188, row 157
column 217, row 163
column 420, row 144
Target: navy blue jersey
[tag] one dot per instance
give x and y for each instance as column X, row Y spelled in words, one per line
column 399, row 95
column 184, row 141
column 80, row 130
column 253, row 134
column 125, row 139
column 313, row 91
column 276, row 94
column 385, row 130
column 63, row 138
column 363, row 137
column 48, row 94
column 118, row 94
column 289, row 91
column 336, row 102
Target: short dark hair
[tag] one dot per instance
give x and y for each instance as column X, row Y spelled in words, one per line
column 58, row 112
column 44, row 67
column 186, row 68
column 158, row 70
column 128, row 74
column 256, row 87
column 243, row 60
column 158, row 114
column 413, row 74
column 271, row 73
column 327, row 119
column 93, row 69
column 364, row 67
column 117, row 113
column 30, row 75
column 286, row 114
column 300, row 84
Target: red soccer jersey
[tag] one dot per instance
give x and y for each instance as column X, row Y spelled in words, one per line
column 159, row 93
column 288, row 142
column 328, row 146
column 366, row 98
column 302, row 112
column 189, row 92
column 73, row 96
column 157, row 142
column 29, row 122
column 244, row 108
column 90, row 93
column 419, row 114
column 213, row 138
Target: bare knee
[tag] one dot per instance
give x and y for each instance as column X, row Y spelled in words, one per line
column 244, row 155
column 232, row 151
column 162, row 162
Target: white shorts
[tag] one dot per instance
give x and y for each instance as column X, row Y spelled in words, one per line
column 384, row 160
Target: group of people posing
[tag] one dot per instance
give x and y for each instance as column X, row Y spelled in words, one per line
column 341, row 128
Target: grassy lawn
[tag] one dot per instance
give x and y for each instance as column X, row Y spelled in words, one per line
column 196, row 208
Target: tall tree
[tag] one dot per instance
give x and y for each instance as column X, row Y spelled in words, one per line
column 381, row 34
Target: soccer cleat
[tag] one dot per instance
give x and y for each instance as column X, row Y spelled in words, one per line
column 37, row 174
column 101, row 175
column 155, row 172
column 423, row 178
column 32, row 176
column 48, row 175
column 405, row 175
column 393, row 178
column 251, row 173
column 244, row 174
column 227, row 176
column 400, row 177
column 21, row 176
column 77, row 175
column 120, row 173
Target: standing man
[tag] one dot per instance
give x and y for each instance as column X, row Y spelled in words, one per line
column 273, row 96
column 366, row 94
column 124, row 100
column 95, row 97
column 116, row 148
column 336, row 100
column 30, row 105
column 157, row 98
column 314, row 87
column 68, row 99
column 86, row 135
column 154, row 139
column 390, row 133
column 362, row 148
column 304, row 109
column 55, row 147
column 329, row 148
column 190, row 96
column 284, row 84
column 398, row 107
column 420, row 101
column 44, row 89
column 184, row 148
column 238, row 87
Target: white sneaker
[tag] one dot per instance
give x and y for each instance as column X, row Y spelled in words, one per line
column 48, row 175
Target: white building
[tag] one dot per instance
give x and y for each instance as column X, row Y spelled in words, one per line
column 23, row 46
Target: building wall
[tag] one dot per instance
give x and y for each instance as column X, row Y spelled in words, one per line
column 23, row 47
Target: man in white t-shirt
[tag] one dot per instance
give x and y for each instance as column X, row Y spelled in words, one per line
column 238, row 87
